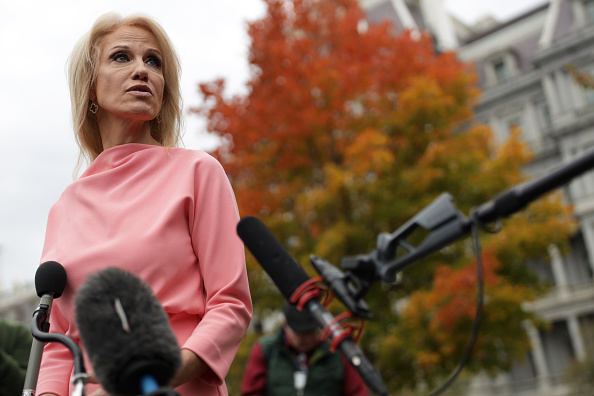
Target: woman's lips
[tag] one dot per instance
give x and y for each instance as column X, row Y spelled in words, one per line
column 140, row 90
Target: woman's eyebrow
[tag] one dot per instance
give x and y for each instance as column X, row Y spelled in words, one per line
column 127, row 48
column 116, row 47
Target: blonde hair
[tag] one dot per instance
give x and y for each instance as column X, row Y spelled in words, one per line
column 82, row 75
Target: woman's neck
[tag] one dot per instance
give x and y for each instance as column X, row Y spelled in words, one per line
column 115, row 133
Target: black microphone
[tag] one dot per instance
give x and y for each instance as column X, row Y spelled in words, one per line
column 126, row 334
column 288, row 275
column 50, row 281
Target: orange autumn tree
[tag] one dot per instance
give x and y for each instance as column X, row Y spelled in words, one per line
column 349, row 130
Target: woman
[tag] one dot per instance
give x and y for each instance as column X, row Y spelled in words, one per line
column 166, row 214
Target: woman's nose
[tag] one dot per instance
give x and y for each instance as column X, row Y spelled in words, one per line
column 140, row 71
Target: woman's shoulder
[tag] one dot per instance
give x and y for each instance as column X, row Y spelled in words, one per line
column 189, row 153
column 192, row 156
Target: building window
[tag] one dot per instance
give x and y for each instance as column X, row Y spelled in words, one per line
column 590, row 9
column 587, row 329
column 557, row 347
column 543, row 115
column 589, row 95
column 542, row 269
column 500, row 67
column 501, row 70
column 577, row 266
column 523, row 374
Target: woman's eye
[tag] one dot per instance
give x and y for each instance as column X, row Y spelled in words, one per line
column 154, row 61
column 120, row 57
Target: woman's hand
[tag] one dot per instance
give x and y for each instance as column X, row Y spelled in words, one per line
column 192, row 367
column 99, row 392
column 93, row 380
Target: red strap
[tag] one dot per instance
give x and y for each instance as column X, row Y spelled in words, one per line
column 349, row 329
column 311, row 289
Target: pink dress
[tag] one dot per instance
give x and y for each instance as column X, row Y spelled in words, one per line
column 169, row 216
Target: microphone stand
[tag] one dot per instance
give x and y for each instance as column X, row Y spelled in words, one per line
column 39, row 329
column 442, row 223
column 42, row 312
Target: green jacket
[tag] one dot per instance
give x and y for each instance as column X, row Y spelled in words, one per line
column 15, row 346
column 324, row 376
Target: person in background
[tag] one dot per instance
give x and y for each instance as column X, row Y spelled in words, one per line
column 164, row 213
column 15, row 347
column 293, row 361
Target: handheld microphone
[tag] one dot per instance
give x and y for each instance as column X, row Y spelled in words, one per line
column 50, row 281
column 126, row 334
column 288, row 275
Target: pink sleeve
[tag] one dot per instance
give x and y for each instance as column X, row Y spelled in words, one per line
column 56, row 363
column 221, row 258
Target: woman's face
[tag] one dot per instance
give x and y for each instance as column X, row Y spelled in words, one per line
column 130, row 79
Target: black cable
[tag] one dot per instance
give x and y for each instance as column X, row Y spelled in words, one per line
column 478, row 315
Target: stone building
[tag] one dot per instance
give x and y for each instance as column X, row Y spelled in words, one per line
column 522, row 67
column 19, row 304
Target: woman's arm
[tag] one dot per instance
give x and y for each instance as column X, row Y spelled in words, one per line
column 221, row 260
column 192, row 367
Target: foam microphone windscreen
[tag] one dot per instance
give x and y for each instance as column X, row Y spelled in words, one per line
column 125, row 332
column 50, row 277
column 285, row 272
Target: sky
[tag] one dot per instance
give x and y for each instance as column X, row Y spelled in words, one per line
column 37, row 149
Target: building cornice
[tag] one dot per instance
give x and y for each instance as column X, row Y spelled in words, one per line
column 510, row 88
column 564, row 47
column 562, row 301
